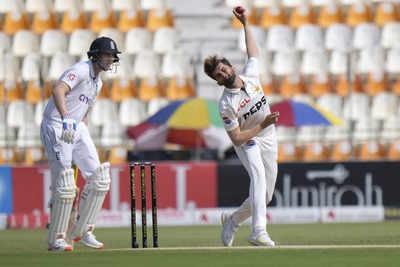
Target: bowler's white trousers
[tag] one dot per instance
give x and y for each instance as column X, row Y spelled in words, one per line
column 260, row 162
column 60, row 154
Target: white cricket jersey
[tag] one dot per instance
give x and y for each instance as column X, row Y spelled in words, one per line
column 84, row 88
column 247, row 107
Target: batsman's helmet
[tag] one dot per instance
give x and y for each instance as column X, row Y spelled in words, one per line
column 103, row 45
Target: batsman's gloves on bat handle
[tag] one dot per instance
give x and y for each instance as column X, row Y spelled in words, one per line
column 68, row 129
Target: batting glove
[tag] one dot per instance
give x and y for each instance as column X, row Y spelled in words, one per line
column 69, row 129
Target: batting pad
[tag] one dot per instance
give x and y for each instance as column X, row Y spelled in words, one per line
column 64, row 194
column 92, row 199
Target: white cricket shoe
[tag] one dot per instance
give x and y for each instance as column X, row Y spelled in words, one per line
column 60, row 245
column 228, row 229
column 261, row 239
column 89, row 240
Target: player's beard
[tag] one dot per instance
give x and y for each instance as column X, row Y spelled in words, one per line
column 228, row 83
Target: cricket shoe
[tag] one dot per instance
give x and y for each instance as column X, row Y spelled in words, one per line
column 89, row 240
column 60, row 245
column 229, row 228
column 261, row 239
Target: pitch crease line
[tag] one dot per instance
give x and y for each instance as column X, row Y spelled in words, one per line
column 253, row 247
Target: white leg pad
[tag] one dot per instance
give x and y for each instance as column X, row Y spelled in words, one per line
column 92, row 198
column 63, row 197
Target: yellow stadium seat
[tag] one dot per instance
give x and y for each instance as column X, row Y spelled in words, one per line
column 343, row 89
column 273, row 15
column 104, row 92
column 118, row 155
column 2, row 93
column 341, row 151
column 320, row 85
column 43, row 21
column 150, row 88
column 371, row 150
column 33, row 92
column 102, row 19
column 268, row 85
column 291, row 85
column 73, row 20
column 159, row 18
column 330, row 14
column 252, row 19
column 123, row 89
column 376, row 83
column 179, row 88
column 358, row 13
column 394, row 150
column 288, row 152
column 303, row 14
column 33, row 155
column 102, row 154
column 386, row 12
column 130, row 19
column 13, row 91
column 8, row 156
column 15, row 21
column 315, row 151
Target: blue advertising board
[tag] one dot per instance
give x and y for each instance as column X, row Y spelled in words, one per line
column 6, row 196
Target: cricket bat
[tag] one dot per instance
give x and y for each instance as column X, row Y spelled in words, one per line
column 74, row 211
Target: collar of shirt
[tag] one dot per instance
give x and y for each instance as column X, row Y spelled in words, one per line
column 91, row 70
column 236, row 91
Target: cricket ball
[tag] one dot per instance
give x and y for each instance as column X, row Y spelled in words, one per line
column 239, row 9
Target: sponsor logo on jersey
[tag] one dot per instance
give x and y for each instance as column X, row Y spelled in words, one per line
column 226, row 120
column 71, row 77
column 243, row 103
column 84, row 99
column 250, row 142
column 255, row 108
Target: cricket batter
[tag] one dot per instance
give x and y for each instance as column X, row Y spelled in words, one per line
column 250, row 125
column 66, row 138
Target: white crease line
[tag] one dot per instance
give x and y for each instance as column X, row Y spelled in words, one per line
column 253, row 247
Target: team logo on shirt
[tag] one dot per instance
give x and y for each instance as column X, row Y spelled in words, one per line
column 250, row 142
column 255, row 108
column 257, row 89
column 84, row 99
column 71, row 77
column 243, row 103
column 226, row 120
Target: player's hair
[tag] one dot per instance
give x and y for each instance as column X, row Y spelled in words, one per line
column 211, row 63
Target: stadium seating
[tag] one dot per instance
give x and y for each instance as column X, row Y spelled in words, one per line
column 129, row 19
column 73, row 20
column 63, row 6
column 123, row 89
column 137, row 40
column 132, row 112
column 43, row 21
column 16, row 21
column 330, row 14
column 53, row 41
column 273, row 15
column 386, row 12
column 301, row 15
column 359, row 12
column 309, row 50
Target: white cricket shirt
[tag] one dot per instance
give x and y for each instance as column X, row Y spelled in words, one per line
column 84, row 88
column 247, row 107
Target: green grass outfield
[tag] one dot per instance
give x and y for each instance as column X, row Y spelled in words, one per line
column 322, row 245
